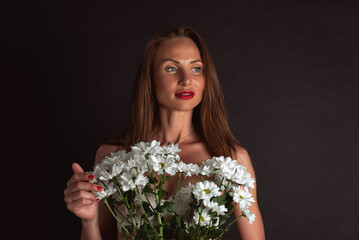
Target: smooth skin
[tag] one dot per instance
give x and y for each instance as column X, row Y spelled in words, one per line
column 177, row 67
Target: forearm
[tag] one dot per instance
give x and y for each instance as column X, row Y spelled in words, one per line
column 90, row 230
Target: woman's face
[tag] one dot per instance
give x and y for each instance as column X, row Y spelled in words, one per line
column 178, row 74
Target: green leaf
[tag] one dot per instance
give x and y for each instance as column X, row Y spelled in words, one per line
column 169, row 207
column 177, row 227
column 147, row 189
column 162, row 194
column 153, row 180
column 145, row 232
column 166, row 178
column 221, row 200
column 192, row 233
column 193, row 205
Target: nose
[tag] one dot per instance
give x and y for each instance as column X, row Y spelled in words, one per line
column 185, row 79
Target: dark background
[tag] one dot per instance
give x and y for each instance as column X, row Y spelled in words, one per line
column 289, row 72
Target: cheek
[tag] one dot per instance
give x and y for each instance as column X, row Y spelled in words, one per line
column 201, row 86
column 163, row 85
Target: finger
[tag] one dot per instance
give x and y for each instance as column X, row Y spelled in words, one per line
column 81, row 194
column 76, row 206
column 77, row 177
column 86, row 186
column 77, row 168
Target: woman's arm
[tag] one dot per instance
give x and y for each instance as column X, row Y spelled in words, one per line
column 255, row 230
column 97, row 223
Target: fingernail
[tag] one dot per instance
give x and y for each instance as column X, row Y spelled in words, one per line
column 99, row 188
column 91, row 176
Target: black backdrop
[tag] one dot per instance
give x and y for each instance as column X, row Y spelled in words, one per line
column 288, row 69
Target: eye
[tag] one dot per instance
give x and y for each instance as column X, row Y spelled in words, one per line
column 196, row 69
column 171, row 69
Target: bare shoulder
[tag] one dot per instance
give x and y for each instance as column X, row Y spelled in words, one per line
column 242, row 156
column 255, row 230
column 105, row 150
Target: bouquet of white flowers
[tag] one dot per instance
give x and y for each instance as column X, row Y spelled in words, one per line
column 133, row 191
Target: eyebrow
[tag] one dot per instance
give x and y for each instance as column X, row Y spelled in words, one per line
column 172, row 60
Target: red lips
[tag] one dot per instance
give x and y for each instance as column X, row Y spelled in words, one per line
column 185, row 95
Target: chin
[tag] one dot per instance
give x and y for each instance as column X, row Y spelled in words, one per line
column 183, row 108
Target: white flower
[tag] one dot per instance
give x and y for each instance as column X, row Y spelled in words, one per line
column 248, row 180
column 131, row 170
column 202, row 217
column 214, row 207
column 131, row 179
column 137, row 162
column 248, row 214
column 160, row 164
column 182, row 167
column 242, row 177
column 108, row 190
column 183, row 199
column 227, row 167
column 147, row 149
column 141, row 181
column 110, row 166
column 205, row 170
column 171, row 149
column 120, row 155
column 205, row 190
column 103, row 171
column 117, row 168
column 210, row 164
column 238, row 175
column 216, row 162
column 192, row 169
column 242, row 196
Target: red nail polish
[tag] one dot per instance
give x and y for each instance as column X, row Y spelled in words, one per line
column 91, row 177
column 99, row 188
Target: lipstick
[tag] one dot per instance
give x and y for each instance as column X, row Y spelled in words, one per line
column 185, row 95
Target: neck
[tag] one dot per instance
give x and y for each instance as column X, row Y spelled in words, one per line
column 175, row 126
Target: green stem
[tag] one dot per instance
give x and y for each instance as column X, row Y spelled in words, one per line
column 143, row 211
column 124, row 217
column 230, row 212
column 149, row 202
column 220, row 185
column 158, row 202
column 210, row 221
column 118, row 220
column 161, row 226
column 225, row 230
column 178, row 183
column 161, row 184
column 199, row 219
column 126, row 203
column 227, row 185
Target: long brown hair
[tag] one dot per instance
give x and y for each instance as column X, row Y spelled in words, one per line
column 209, row 117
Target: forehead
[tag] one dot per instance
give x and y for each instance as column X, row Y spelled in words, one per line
column 178, row 48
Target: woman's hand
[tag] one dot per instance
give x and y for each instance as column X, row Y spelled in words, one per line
column 78, row 194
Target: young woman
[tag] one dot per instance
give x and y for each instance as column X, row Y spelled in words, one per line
column 177, row 99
